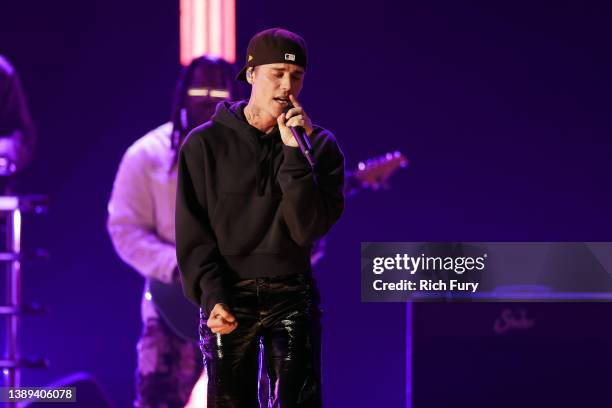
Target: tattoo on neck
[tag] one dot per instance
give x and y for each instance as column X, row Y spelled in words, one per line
column 252, row 115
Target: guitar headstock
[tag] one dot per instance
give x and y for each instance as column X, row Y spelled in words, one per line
column 374, row 173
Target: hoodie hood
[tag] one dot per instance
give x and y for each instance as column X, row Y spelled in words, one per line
column 231, row 114
column 268, row 146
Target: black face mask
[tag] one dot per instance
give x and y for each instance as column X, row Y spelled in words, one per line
column 208, row 87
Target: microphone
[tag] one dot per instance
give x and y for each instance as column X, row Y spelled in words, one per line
column 302, row 140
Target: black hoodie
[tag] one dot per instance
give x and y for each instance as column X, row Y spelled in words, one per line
column 248, row 206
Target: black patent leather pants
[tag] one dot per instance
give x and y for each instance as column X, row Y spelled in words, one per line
column 283, row 313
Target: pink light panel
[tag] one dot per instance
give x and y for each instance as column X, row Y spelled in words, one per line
column 208, row 27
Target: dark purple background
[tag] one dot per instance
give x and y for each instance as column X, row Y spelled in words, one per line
column 503, row 110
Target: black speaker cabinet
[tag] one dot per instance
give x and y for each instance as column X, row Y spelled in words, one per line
column 511, row 355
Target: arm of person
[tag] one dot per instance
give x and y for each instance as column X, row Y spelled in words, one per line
column 17, row 133
column 312, row 200
column 201, row 265
column 131, row 220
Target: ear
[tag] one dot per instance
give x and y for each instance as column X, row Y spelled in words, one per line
column 249, row 75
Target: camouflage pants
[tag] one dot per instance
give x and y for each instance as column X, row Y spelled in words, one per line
column 168, row 367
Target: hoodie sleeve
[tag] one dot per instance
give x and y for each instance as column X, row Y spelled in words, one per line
column 312, row 201
column 200, row 263
column 131, row 220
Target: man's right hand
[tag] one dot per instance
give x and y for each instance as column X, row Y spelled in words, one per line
column 221, row 320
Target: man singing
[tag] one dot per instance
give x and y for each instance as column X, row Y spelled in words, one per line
column 249, row 207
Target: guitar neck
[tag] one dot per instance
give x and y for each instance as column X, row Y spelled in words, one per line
column 352, row 185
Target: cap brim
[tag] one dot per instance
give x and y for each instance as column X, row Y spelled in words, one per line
column 242, row 74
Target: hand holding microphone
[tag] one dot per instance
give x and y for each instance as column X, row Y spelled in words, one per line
column 295, row 127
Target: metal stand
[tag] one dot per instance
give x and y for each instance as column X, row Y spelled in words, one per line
column 11, row 209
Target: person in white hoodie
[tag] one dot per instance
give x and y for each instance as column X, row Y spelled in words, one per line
column 141, row 227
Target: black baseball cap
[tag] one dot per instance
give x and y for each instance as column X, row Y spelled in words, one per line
column 273, row 46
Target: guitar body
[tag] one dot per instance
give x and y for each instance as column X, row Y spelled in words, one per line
column 181, row 316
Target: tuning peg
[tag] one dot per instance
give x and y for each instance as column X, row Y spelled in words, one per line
column 398, row 155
